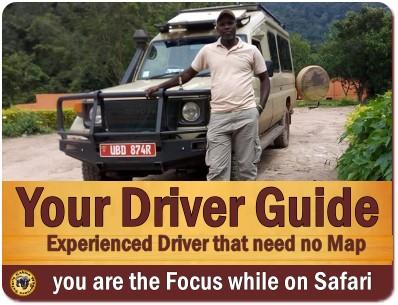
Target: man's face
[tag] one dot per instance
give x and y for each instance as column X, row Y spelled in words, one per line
column 226, row 28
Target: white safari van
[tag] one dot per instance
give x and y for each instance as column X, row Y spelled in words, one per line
column 118, row 134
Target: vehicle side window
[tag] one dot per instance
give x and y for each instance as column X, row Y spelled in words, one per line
column 257, row 44
column 273, row 51
column 284, row 54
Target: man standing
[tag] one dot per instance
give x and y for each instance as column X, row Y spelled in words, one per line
column 234, row 116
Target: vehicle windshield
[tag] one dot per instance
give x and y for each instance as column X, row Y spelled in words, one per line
column 169, row 57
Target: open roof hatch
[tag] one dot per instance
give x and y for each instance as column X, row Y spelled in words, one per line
column 202, row 20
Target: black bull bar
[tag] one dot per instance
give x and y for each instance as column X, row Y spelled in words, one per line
column 98, row 99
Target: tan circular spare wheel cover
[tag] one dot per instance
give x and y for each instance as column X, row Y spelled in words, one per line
column 312, row 83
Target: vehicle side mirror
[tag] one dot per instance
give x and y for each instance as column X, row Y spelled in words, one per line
column 270, row 67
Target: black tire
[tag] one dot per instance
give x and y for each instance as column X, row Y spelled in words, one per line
column 201, row 172
column 283, row 140
column 91, row 172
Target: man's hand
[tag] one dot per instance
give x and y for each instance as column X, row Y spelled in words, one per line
column 185, row 76
column 150, row 91
column 264, row 90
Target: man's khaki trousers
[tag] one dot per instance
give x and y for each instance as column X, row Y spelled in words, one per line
column 233, row 131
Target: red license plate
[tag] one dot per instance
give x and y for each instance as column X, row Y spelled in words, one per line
column 128, row 150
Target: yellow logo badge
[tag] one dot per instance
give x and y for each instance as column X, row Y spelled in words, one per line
column 23, row 282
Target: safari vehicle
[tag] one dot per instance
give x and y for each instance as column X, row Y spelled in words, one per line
column 119, row 134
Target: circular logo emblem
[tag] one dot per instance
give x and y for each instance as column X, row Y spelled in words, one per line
column 23, row 282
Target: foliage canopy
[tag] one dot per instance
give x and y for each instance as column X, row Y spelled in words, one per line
column 359, row 49
column 80, row 47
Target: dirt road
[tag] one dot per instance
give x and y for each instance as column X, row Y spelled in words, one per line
column 311, row 155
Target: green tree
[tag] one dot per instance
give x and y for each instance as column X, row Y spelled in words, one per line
column 71, row 46
column 313, row 20
column 359, row 50
column 303, row 53
column 21, row 79
column 78, row 46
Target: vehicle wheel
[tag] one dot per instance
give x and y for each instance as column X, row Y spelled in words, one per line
column 91, row 172
column 201, row 172
column 283, row 140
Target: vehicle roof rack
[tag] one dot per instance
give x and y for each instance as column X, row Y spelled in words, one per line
column 249, row 7
column 209, row 24
column 206, row 21
column 191, row 26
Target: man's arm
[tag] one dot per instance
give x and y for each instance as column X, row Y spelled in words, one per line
column 264, row 90
column 186, row 76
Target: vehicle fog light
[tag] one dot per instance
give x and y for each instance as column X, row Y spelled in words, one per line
column 191, row 112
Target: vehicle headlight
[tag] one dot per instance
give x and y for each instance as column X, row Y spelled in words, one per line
column 191, row 111
column 98, row 119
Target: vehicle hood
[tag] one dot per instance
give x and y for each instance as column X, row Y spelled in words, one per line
column 196, row 83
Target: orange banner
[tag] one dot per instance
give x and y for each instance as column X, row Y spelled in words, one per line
column 246, row 223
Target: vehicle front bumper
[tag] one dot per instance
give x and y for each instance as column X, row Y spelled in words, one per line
column 173, row 153
column 172, row 150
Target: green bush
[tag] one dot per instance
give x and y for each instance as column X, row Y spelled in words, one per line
column 369, row 134
column 17, row 122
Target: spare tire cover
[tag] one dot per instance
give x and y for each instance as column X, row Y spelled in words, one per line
column 312, row 83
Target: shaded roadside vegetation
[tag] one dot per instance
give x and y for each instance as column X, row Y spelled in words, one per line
column 18, row 122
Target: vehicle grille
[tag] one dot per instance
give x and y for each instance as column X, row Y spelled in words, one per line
column 130, row 115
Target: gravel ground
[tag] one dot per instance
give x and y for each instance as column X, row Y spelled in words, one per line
column 312, row 153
